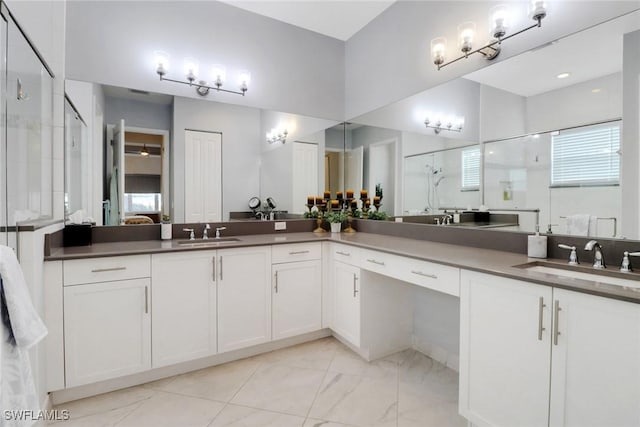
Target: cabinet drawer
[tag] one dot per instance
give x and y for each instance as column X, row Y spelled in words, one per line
column 345, row 253
column 442, row 278
column 379, row 262
column 296, row 252
column 94, row 270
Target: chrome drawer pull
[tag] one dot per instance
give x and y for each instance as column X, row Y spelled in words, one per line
column 213, row 276
column 276, row 281
column 541, row 306
column 355, row 289
column 298, row 252
column 146, row 300
column 375, row 262
column 420, row 273
column 104, row 270
column 343, row 253
column 556, row 319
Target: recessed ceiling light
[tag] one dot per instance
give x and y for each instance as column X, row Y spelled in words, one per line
column 596, row 90
column 563, row 75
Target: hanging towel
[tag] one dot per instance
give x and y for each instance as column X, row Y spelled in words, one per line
column 17, row 389
column 578, row 225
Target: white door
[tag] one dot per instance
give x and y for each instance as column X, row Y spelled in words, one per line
column 382, row 170
column 354, row 169
column 116, row 188
column 346, row 307
column 203, row 177
column 184, row 306
column 595, row 379
column 305, row 174
column 505, row 351
column 244, row 297
column 107, row 330
column 297, row 298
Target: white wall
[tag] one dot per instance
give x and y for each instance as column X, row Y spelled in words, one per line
column 140, row 114
column 293, row 70
column 502, row 114
column 389, row 59
column 241, row 150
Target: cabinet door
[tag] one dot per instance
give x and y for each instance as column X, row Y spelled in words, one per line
column 106, row 330
column 184, row 306
column 505, row 351
column 244, row 297
column 595, row 378
column 297, row 296
column 346, row 290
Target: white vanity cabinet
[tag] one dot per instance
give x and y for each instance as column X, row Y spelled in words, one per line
column 346, row 301
column 184, row 306
column 296, row 289
column 533, row 355
column 107, row 318
column 244, row 297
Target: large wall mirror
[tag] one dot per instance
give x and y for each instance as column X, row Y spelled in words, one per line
column 535, row 140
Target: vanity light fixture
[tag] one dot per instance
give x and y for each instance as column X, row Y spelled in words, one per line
column 499, row 25
column 439, row 124
column 277, row 136
column 192, row 71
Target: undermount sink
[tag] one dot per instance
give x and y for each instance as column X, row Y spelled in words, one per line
column 609, row 277
column 208, row 242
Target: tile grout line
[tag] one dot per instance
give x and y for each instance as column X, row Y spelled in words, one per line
column 326, row 372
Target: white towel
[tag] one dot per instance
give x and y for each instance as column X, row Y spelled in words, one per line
column 578, row 225
column 17, row 389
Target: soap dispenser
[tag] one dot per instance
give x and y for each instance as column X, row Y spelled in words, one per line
column 537, row 245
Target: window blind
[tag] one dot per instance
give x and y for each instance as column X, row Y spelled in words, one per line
column 471, row 169
column 586, row 156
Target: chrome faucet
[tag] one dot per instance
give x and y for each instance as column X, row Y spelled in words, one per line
column 446, row 220
column 573, row 257
column 598, row 258
column 218, row 230
column 205, row 234
column 626, row 263
column 192, row 235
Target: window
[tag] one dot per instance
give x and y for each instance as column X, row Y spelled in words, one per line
column 142, row 202
column 586, row 156
column 471, row 169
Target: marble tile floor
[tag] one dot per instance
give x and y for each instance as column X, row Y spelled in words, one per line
column 317, row 384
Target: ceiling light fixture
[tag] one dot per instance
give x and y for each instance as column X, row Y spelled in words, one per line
column 563, row 75
column 144, row 152
column 438, row 123
column 277, row 136
column 499, row 24
column 192, row 71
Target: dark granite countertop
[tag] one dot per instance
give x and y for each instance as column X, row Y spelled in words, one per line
column 481, row 260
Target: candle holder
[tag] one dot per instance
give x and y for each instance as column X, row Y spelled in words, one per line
column 321, row 210
column 377, row 206
column 349, row 228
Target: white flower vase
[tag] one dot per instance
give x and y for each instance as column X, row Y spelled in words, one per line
column 165, row 231
column 336, row 227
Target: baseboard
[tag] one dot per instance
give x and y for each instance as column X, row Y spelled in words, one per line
column 437, row 353
column 66, row 395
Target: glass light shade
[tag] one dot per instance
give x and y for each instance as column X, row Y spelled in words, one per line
column 161, row 60
column 499, row 20
column 438, row 49
column 219, row 74
column 244, row 79
column 466, row 36
column 190, row 68
column 537, row 9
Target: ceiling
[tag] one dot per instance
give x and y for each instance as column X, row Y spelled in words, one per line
column 339, row 19
column 587, row 55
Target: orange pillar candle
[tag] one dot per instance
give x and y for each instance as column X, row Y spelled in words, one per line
column 376, row 200
column 334, row 204
column 339, row 195
column 327, row 195
column 319, row 200
column 311, row 200
column 363, row 194
column 354, row 204
column 367, row 202
column 349, row 194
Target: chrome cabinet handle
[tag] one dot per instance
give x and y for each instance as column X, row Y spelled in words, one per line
column 220, row 268
column 355, row 289
column 541, row 306
column 103, row 270
column 343, row 253
column 420, row 273
column 556, row 317
column 276, row 282
column 146, row 300
column 213, row 276
column 298, row 252
column 373, row 261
